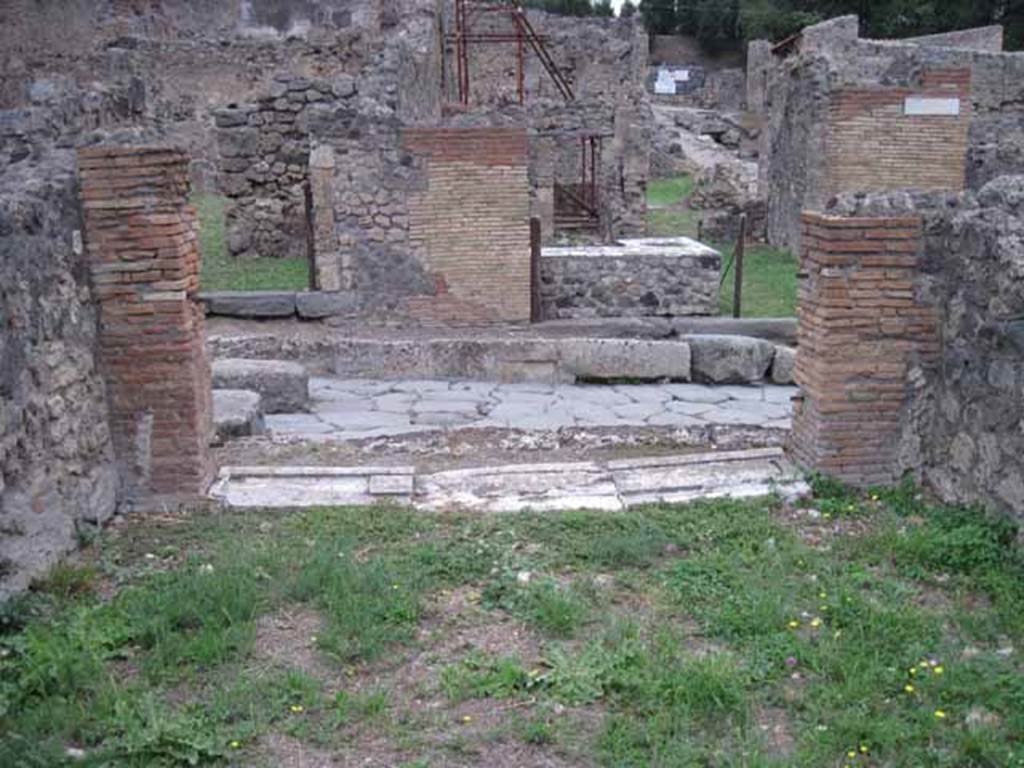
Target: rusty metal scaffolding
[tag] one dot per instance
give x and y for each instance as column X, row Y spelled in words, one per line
column 577, row 205
column 521, row 32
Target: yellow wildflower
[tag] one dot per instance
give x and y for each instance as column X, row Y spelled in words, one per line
column 793, row 624
column 235, row 744
column 908, row 688
column 815, row 622
column 940, row 713
column 297, row 708
column 938, row 670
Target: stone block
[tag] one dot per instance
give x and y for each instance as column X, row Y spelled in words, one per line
column 255, row 304
column 283, row 385
column 236, row 413
column 617, row 359
column 783, row 364
column 722, row 359
column 313, row 305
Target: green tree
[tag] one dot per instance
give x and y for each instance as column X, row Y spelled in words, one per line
column 627, row 10
column 660, row 16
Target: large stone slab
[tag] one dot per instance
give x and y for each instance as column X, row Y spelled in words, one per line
column 249, row 304
column 283, row 385
column 724, row 359
column 311, row 486
column 629, row 359
column 236, row 413
column 313, row 305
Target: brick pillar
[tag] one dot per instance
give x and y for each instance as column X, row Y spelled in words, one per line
column 861, row 326
column 144, row 259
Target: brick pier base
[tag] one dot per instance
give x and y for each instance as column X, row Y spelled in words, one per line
column 144, row 258
column 862, row 328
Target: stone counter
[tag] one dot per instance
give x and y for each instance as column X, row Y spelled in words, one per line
column 642, row 277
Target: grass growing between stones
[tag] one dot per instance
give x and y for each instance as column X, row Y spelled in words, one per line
column 221, row 272
column 847, row 629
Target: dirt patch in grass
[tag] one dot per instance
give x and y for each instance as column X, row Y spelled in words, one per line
column 283, row 751
column 289, row 638
column 776, row 730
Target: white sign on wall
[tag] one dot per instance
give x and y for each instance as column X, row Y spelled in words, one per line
column 665, row 83
column 927, row 105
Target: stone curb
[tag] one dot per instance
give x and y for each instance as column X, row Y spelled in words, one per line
column 612, row 485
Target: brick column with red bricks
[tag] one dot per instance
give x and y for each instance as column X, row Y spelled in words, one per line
column 862, row 326
column 141, row 237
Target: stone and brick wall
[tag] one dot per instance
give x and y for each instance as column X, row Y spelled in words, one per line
column 141, row 239
column 862, row 326
column 636, row 278
column 469, row 225
column 872, row 144
column 833, row 123
column 924, row 371
column 57, row 472
column 264, row 164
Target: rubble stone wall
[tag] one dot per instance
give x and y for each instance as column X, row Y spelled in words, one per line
column 972, row 441
column 612, row 281
column 57, row 470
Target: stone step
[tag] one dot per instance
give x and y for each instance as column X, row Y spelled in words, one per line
column 612, row 485
column 236, row 413
column 282, row 385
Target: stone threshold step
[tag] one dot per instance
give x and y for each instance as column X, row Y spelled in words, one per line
column 611, row 485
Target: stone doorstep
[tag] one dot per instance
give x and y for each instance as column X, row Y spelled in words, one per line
column 614, row 485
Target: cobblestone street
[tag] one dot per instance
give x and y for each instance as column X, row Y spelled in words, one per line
column 344, row 409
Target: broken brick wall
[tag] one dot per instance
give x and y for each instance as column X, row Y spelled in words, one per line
column 141, row 239
column 911, row 342
column 469, row 223
column 862, row 326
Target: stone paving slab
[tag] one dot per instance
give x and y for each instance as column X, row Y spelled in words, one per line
column 355, row 409
column 611, row 486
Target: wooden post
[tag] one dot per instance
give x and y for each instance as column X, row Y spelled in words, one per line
column 536, row 310
column 737, row 290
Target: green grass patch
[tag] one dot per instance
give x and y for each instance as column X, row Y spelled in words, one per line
column 769, row 274
column 769, row 282
column 669, row 191
column 221, row 272
column 881, row 624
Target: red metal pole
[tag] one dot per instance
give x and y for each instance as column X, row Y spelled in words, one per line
column 520, row 88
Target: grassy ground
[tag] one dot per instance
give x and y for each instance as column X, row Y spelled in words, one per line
column 221, row 272
column 769, row 274
column 769, row 282
column 850, row 630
